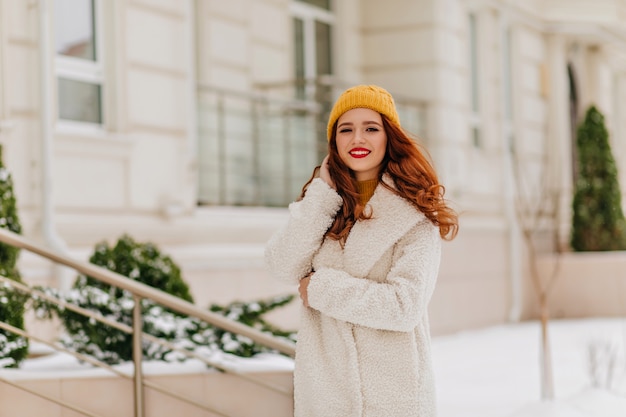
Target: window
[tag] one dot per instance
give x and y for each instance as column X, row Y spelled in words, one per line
column 313, row 57
column 79, row 69
column 507, row 72
column 475, row 119
column 312, row 43
column 260, row 151
column 573, row 117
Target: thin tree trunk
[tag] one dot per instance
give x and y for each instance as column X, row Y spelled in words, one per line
column 547, row 377
column 545, row 359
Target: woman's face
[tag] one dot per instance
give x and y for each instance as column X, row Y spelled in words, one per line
column 361, row 142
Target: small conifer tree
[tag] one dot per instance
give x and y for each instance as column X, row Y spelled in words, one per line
column 250, row 314
column 13, row 348
column 142, row 262
column 145, row 263
column 598, row 221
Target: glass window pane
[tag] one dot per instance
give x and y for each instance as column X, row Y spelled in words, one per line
column 298, row 27
column 79, row 101
column 324, row 4
column 323, row 48
column 75, row 28
column 476, row 137
column 474, row 62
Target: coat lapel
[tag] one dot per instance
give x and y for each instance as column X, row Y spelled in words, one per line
column 393, row 217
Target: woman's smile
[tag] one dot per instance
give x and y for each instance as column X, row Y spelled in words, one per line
column 359, row 152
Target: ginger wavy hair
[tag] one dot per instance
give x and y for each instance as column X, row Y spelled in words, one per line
column 414, row 178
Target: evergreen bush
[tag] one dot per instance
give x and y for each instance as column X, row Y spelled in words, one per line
column 598, row 221
column 144, row 263
column 250, row 314
column 13, row 348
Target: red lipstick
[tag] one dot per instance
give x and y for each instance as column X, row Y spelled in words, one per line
column 359, row 152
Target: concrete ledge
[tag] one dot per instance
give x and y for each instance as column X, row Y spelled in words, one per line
column 112, row 396
column 588, row 284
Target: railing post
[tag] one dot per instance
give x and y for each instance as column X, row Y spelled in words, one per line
column 138, row 357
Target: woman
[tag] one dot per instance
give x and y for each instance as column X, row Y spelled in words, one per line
column 363, row 243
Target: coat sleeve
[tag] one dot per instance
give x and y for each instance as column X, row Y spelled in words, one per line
column 289, row 252
column 398, row 303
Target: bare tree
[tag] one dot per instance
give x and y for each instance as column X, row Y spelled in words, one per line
column 538, row 212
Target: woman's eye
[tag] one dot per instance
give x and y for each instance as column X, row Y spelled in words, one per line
column 372, row 129
column 345, row 130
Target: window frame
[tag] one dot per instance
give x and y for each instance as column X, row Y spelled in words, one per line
column 475, row 117
column 330, row 4
column 83, row 70
column 309, row 15
column 508, row 115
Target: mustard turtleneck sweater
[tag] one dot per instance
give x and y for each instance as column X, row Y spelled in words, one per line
column 366, row 189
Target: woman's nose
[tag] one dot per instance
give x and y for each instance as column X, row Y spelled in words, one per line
column 359, row 137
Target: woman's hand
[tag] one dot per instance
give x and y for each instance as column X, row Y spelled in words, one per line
column 325, row 173
column 303, row 289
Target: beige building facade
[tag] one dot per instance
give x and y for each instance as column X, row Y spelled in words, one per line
column 192, row 124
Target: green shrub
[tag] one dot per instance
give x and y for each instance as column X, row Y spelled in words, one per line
column 13, row 348
column 139, row 261
column 598, row 221
column 250, row 314
column 144, row 263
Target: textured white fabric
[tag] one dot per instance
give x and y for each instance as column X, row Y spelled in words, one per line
column 364, row 345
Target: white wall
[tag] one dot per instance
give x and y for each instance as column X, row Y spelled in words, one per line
column 599, row 11
column 243, row 42
column 20, row 100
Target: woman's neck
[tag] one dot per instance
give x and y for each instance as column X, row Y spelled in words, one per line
column 366, row 189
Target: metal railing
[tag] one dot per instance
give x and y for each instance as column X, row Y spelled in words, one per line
column 259, row 148
column 140, row 291
column 254, row 150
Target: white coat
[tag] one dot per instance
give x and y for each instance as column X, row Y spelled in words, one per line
column 363, row 346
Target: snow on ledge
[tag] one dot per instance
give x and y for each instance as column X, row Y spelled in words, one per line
column 59, row 365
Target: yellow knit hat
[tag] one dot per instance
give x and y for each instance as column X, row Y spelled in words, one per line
column 363, row 96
